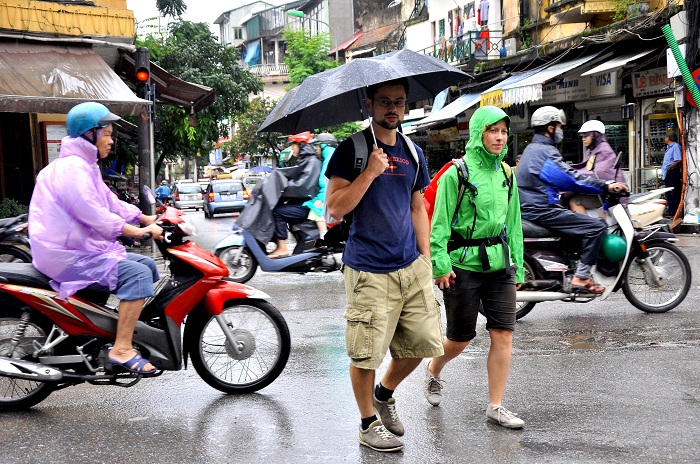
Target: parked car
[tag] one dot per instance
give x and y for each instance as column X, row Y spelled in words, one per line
column 224, row 196
column 188, row 195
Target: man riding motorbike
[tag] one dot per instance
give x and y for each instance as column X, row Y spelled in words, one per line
column 542, row 174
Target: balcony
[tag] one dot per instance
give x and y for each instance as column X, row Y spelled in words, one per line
column 270, row 72
column 60, row 18
column 472, row 45
column 580, row 11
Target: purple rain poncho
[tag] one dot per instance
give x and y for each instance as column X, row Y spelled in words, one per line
column 74, row 221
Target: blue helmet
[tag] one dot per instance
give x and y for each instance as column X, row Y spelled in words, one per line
column 89, row 115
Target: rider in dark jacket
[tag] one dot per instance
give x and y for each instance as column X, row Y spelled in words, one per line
column 541, row 175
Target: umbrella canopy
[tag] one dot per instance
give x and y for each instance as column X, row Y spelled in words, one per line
column 337, row 95
column 260, row 169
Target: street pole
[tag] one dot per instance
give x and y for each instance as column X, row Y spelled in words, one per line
column 302, row 16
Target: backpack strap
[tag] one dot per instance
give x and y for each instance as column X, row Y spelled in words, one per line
column 508, row 173
column 412, row 148
column 359, row 142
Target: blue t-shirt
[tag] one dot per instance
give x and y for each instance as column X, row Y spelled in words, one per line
column 382, row 238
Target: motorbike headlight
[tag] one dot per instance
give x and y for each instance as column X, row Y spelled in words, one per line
column 188, row 227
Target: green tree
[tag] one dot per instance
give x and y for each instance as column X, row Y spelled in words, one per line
column 174, row 8
column 247, row 140
column 307, row 54
column 191, row 52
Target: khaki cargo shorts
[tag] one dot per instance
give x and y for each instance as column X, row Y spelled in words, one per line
column 395, row 311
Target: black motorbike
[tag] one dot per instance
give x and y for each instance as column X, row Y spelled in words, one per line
column 14, row 240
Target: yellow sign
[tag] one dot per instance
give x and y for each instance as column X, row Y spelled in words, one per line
column 450, row 134
column 494, row 98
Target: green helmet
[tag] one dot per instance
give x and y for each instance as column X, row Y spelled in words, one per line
column 614, row 248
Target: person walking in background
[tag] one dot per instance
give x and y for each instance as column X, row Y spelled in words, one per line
column 326, row 143
column 388, row 284
column 599, row 163
column 484, row 266
column 671, row 171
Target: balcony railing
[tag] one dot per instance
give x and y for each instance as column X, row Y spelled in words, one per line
column 476, row 45
column 266, row 70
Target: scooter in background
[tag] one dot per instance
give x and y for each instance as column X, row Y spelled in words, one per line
column 242, row 253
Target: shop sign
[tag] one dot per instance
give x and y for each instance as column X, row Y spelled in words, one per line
column 494, row 98
column 434, row 136
column 567, row 89
column 450, row 134
column 650, row 82
column 604, row 84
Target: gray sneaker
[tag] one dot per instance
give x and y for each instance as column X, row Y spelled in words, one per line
column 433, row 387
column 379, row 438
column 501, row 416
column 386, row 410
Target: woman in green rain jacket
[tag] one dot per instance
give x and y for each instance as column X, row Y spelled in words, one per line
column 489, row 262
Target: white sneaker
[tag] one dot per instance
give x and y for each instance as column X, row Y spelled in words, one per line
column 501, row 416
column 433, row 387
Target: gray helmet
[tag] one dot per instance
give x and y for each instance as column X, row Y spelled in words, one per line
column 546, row 115
column 328, row 139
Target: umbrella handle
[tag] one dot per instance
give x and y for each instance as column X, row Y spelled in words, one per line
column 371, row 128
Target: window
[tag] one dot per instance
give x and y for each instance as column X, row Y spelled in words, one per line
column 238, row 33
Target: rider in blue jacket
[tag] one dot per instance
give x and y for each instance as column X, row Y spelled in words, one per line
column 542, row 174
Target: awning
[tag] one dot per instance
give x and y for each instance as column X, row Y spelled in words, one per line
column 493, row 96
column 617, row 62
column 450, row 111
column 347, row 43
column 170, row 89
column 38, row 78
column 530, row 89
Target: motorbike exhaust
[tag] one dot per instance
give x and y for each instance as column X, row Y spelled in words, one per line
column 528, row 296
column 21, row 369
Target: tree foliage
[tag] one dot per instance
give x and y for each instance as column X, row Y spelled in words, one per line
column 174, row 8
column 192, row 53
column 307, row 54
column 247, row 140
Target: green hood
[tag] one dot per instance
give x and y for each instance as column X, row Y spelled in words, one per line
column 485, row 116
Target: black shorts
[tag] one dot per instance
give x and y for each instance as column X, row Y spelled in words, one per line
column 495, row 290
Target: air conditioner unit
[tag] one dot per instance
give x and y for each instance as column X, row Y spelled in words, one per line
column 511, row 46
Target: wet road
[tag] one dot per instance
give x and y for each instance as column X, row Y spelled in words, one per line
column 595, row 383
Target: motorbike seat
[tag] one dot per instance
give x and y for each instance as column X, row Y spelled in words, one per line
column 26, row 274
column 23, row 274
column 532, row 230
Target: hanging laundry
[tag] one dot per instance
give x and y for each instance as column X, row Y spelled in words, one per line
column 484, row 12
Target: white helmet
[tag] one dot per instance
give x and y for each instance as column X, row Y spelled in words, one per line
column 592, row 126
column 547, row 114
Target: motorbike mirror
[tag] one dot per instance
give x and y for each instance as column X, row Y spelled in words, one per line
column 148, row 194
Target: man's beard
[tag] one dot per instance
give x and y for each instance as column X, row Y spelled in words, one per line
column 386, row 125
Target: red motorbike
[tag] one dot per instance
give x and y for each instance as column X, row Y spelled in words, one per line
column 238, row 342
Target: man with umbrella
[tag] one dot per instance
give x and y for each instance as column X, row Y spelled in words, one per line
column 388, row 273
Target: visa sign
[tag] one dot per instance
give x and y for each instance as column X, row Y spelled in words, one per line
column 604, row 84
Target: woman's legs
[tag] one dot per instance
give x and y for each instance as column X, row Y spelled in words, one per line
column 498, row 363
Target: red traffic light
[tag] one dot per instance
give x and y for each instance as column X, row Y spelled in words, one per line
column 142, row 75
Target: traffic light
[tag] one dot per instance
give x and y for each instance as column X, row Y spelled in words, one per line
column 142, row 66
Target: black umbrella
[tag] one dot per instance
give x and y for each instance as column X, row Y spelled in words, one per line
column 337, row 95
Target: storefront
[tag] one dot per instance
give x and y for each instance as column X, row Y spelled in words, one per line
column 656, row 113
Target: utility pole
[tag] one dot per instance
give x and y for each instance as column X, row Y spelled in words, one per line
column 142, row 69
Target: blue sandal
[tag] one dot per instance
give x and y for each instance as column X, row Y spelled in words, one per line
column 137, row 365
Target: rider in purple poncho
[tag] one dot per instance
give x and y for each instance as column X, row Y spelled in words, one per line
column 74, row 222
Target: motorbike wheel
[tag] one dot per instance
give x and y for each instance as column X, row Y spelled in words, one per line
column 522, row 308
column 262, row 351
column 13, row 254
column 207, row 215
column 243, row 269
column 675, row 271
column 19, row 394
